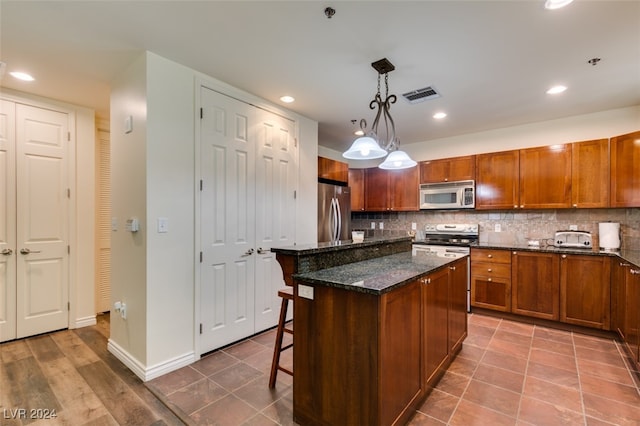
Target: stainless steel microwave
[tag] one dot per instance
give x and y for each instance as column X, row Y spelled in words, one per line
column 448, row 195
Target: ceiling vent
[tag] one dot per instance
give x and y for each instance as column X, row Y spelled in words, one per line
column 421, row 95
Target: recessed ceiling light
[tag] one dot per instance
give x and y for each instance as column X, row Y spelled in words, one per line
column 556, row 89
column 287, row 99
column 556, row 4
column 21, row 76
column 439, row 115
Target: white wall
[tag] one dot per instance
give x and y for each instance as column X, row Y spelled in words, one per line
column 153, row 176
column 604, row 124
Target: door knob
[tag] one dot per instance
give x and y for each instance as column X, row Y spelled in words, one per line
column 6, row 252
column 261, row 251
column 249, row 252
column 27, row 251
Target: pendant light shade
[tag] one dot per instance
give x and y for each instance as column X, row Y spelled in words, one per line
column 397, row 160
column 364, row 148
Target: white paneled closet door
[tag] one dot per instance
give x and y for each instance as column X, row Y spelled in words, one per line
column 227, row 217
column 7, row 222
column 275, row 198
column 34, row 265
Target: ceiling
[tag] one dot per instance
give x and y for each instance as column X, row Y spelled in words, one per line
column 491, row 61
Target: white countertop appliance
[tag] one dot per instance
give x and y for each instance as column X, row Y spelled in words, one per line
column 573, row 239
column 448, row 240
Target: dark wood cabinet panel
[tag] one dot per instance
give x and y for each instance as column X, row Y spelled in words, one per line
column 497, row 180
column 333, row 170
column 545, row 177
column 590, row 174
column 535, row 288
column 457, row 304
column 376, row 190
column 391, row 190
column 585, row 290
column 362, row 362
column 356, row 183
column 435, row 296
column 619, row 270
column 625, row 172
column 632, row 313
column 448, row 169
column 491, row 279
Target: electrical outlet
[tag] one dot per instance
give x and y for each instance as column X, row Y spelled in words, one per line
column 573, row 227
column 498, row 227
column 373, row 225
column 414, row 226
column 381, row 225
column 123, row 311
column 305, row 291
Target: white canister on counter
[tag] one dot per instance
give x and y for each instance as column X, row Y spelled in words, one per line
column 609, row 235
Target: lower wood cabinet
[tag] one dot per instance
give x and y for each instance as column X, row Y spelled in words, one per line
column 491, row 279
column 435, row 347
column 458, row 273
column 625, row 306
column 585, row 290
column 535, row 289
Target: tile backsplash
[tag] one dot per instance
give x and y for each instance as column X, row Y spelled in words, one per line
column 516, row 227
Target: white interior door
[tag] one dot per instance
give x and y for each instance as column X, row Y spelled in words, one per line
column 7, row 222
column 227, row 217
column 42, row 220
column 276, row 182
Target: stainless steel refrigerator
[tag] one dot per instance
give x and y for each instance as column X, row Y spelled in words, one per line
column 334, row 213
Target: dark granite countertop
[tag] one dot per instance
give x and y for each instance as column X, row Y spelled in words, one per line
column 314, row 248
column 375, row 276
column 631, row 256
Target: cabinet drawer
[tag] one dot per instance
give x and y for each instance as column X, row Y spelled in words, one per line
column 487, row 255
column 491, row 269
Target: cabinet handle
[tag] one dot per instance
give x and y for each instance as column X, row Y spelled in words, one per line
column 489, row 279
column 27, row 251
column 6, row 252
column 490, row 256
column 635, row 271
column 488, row 269
column 515, row 206
column 515, row 252
column 624, row 264
column 522, row 206
column 575, row 205
column 564, row 256
column 453, row 268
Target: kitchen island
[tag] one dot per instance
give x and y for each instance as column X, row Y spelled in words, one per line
column 372, row 337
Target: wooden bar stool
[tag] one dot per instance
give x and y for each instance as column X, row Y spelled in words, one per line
column 287, row 295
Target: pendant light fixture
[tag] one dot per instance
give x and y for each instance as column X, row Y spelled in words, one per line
column 372, row 145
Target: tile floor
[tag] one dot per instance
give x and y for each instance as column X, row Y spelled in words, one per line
column 508, row 373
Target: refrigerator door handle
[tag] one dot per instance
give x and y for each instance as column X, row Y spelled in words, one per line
column 332, row 216
column 339, row 221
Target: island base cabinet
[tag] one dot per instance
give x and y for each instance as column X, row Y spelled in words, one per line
column 435, row 294
column 357, row 356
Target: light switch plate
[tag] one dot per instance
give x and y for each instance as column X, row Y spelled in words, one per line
column 305, row 291
column 163, row 225
column 498, row 228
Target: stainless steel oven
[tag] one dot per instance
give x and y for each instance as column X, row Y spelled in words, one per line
column 448, row 240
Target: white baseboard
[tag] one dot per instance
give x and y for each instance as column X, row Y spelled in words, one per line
column 148, row 373
column 85, row 322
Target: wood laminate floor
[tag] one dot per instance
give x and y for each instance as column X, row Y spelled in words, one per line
column 508, row 373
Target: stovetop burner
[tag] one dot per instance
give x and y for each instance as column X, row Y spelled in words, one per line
column 449, row 235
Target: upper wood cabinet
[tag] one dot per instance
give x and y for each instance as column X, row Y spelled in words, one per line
column 391, row 190
column 333, row 170
column 590, row 174
column 625, row 170
column 497, row 180
column 356, row 183
column 545, row 177
column 448, row 169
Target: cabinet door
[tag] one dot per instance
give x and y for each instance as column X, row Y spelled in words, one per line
column 545, row 177
column 448, row 169
column 458, row 304
column 535, row 283
column 435, row 295
column 491, row 292
column 332, row 170
column 618, row 295
column 590, row 174
column 585, row 290
column 497, row 183
column 625, row 173
column 403, row 189
column 376, row 190
column 356, row 183
column 632, row 312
